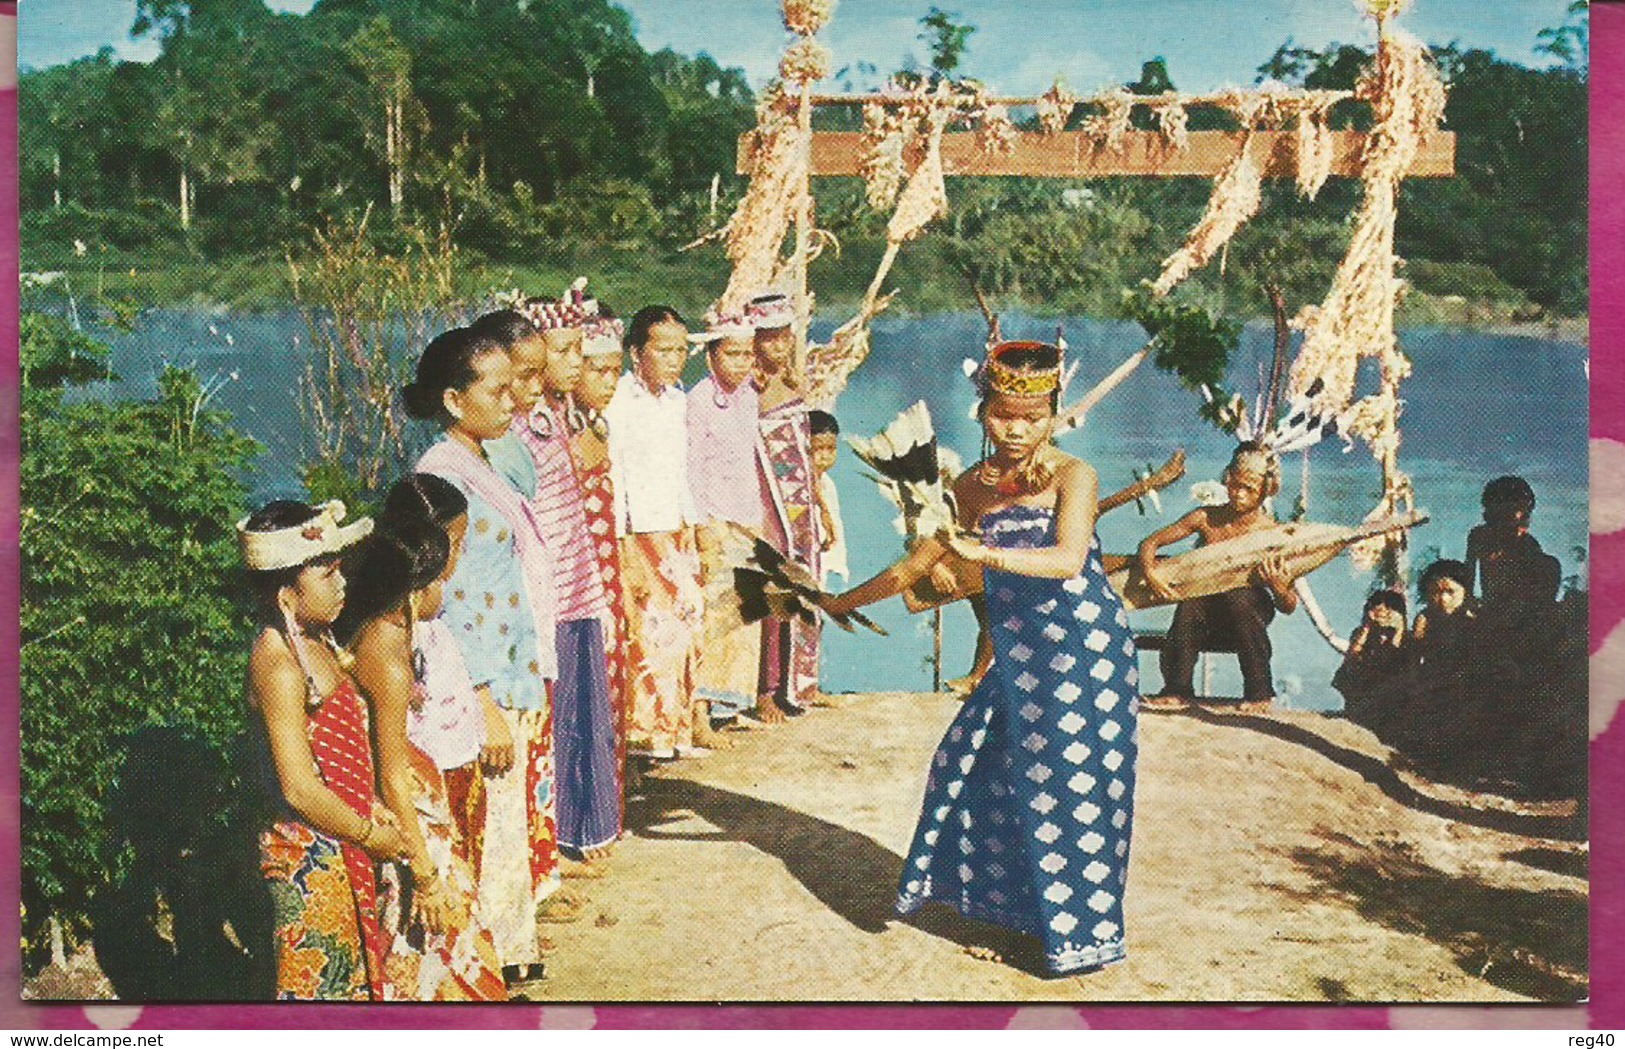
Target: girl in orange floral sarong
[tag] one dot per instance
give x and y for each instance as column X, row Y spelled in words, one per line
column 440, row 950
column 317, row 768
column 655, row 517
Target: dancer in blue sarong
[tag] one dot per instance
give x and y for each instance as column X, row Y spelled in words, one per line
column 1029, row 801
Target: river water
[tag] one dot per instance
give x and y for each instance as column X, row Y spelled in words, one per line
column 1477, row 406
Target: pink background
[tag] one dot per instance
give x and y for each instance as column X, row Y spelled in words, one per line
column 1607, row 1009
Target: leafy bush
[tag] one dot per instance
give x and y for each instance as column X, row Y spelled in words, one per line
column 1191, row 344
column 1470, row 280
column 50, row 232
column 128, row 616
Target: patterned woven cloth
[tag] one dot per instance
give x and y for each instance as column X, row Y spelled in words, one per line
column 1029, row 804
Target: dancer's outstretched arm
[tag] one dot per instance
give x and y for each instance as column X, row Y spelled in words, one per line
column 891, row 582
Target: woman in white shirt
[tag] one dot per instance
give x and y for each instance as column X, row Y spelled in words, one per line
column 655, row 518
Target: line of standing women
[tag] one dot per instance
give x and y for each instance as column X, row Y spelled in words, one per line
column 449, row 739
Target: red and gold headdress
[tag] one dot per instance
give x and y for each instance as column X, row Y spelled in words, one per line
column 999, row 376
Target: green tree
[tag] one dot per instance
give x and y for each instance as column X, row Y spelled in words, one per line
column 1570, row 43
column 947, row 38
column 387, row 66
column 1154, row 78
column 128, row 614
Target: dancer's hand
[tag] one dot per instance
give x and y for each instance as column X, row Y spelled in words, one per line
column 836, row 606
column 963, row 546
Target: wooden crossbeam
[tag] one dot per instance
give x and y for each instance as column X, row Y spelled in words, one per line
column 1076, row 154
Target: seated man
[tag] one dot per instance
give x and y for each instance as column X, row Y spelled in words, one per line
column 1237, row 618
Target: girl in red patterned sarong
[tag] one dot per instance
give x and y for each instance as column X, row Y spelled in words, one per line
column 789, row 647
column 317, row 760
column 408, row 662
column 600, row 370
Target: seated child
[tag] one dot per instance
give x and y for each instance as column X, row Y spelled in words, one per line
column 1441, row 627
column 1376, row 656
column 1513, row 572
column 1240, row 617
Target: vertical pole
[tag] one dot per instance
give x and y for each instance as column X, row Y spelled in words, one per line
column 803, row 230
column 936, row 649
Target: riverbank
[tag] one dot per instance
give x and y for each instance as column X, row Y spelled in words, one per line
column 116, row 285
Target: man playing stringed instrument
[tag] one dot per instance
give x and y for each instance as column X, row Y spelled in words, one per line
column 1240, row 617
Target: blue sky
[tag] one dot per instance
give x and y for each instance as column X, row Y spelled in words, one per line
column 1019, row 47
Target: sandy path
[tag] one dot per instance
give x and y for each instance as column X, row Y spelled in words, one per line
column 1264, row 868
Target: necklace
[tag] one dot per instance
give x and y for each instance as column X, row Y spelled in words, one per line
column 1007, row 481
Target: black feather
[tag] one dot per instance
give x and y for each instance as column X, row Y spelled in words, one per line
column 917, row 465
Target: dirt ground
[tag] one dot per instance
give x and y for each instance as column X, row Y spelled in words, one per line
column 1274, row 858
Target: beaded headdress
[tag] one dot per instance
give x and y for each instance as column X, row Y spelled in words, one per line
column 719, row 326
column 572, row 310
column 602, row 336
column 770, row 312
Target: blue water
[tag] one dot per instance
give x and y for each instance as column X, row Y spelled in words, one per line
column 1478, row 405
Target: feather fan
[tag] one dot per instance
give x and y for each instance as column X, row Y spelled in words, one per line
column 908, row 462
column 762, row 584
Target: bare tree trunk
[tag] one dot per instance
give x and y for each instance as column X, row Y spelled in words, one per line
column 392, row 152
column 59, row 950
column 56, row 174
column 186, row 198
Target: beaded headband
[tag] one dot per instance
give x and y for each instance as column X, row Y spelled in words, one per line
column 999, row 377
column 771, row 311
column 572, row 310
column 303, row 543
column 723, row 326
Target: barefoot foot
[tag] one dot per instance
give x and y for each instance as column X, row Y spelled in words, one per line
column 769, row 711
column 709, row 738
column 584, row 868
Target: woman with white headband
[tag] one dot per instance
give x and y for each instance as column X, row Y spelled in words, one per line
column 317, row 765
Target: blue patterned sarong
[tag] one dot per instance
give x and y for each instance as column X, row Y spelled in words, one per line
column 1030, row 798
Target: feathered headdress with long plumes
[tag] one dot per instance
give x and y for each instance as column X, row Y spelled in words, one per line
column 1303, row 424
column 909, row 468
